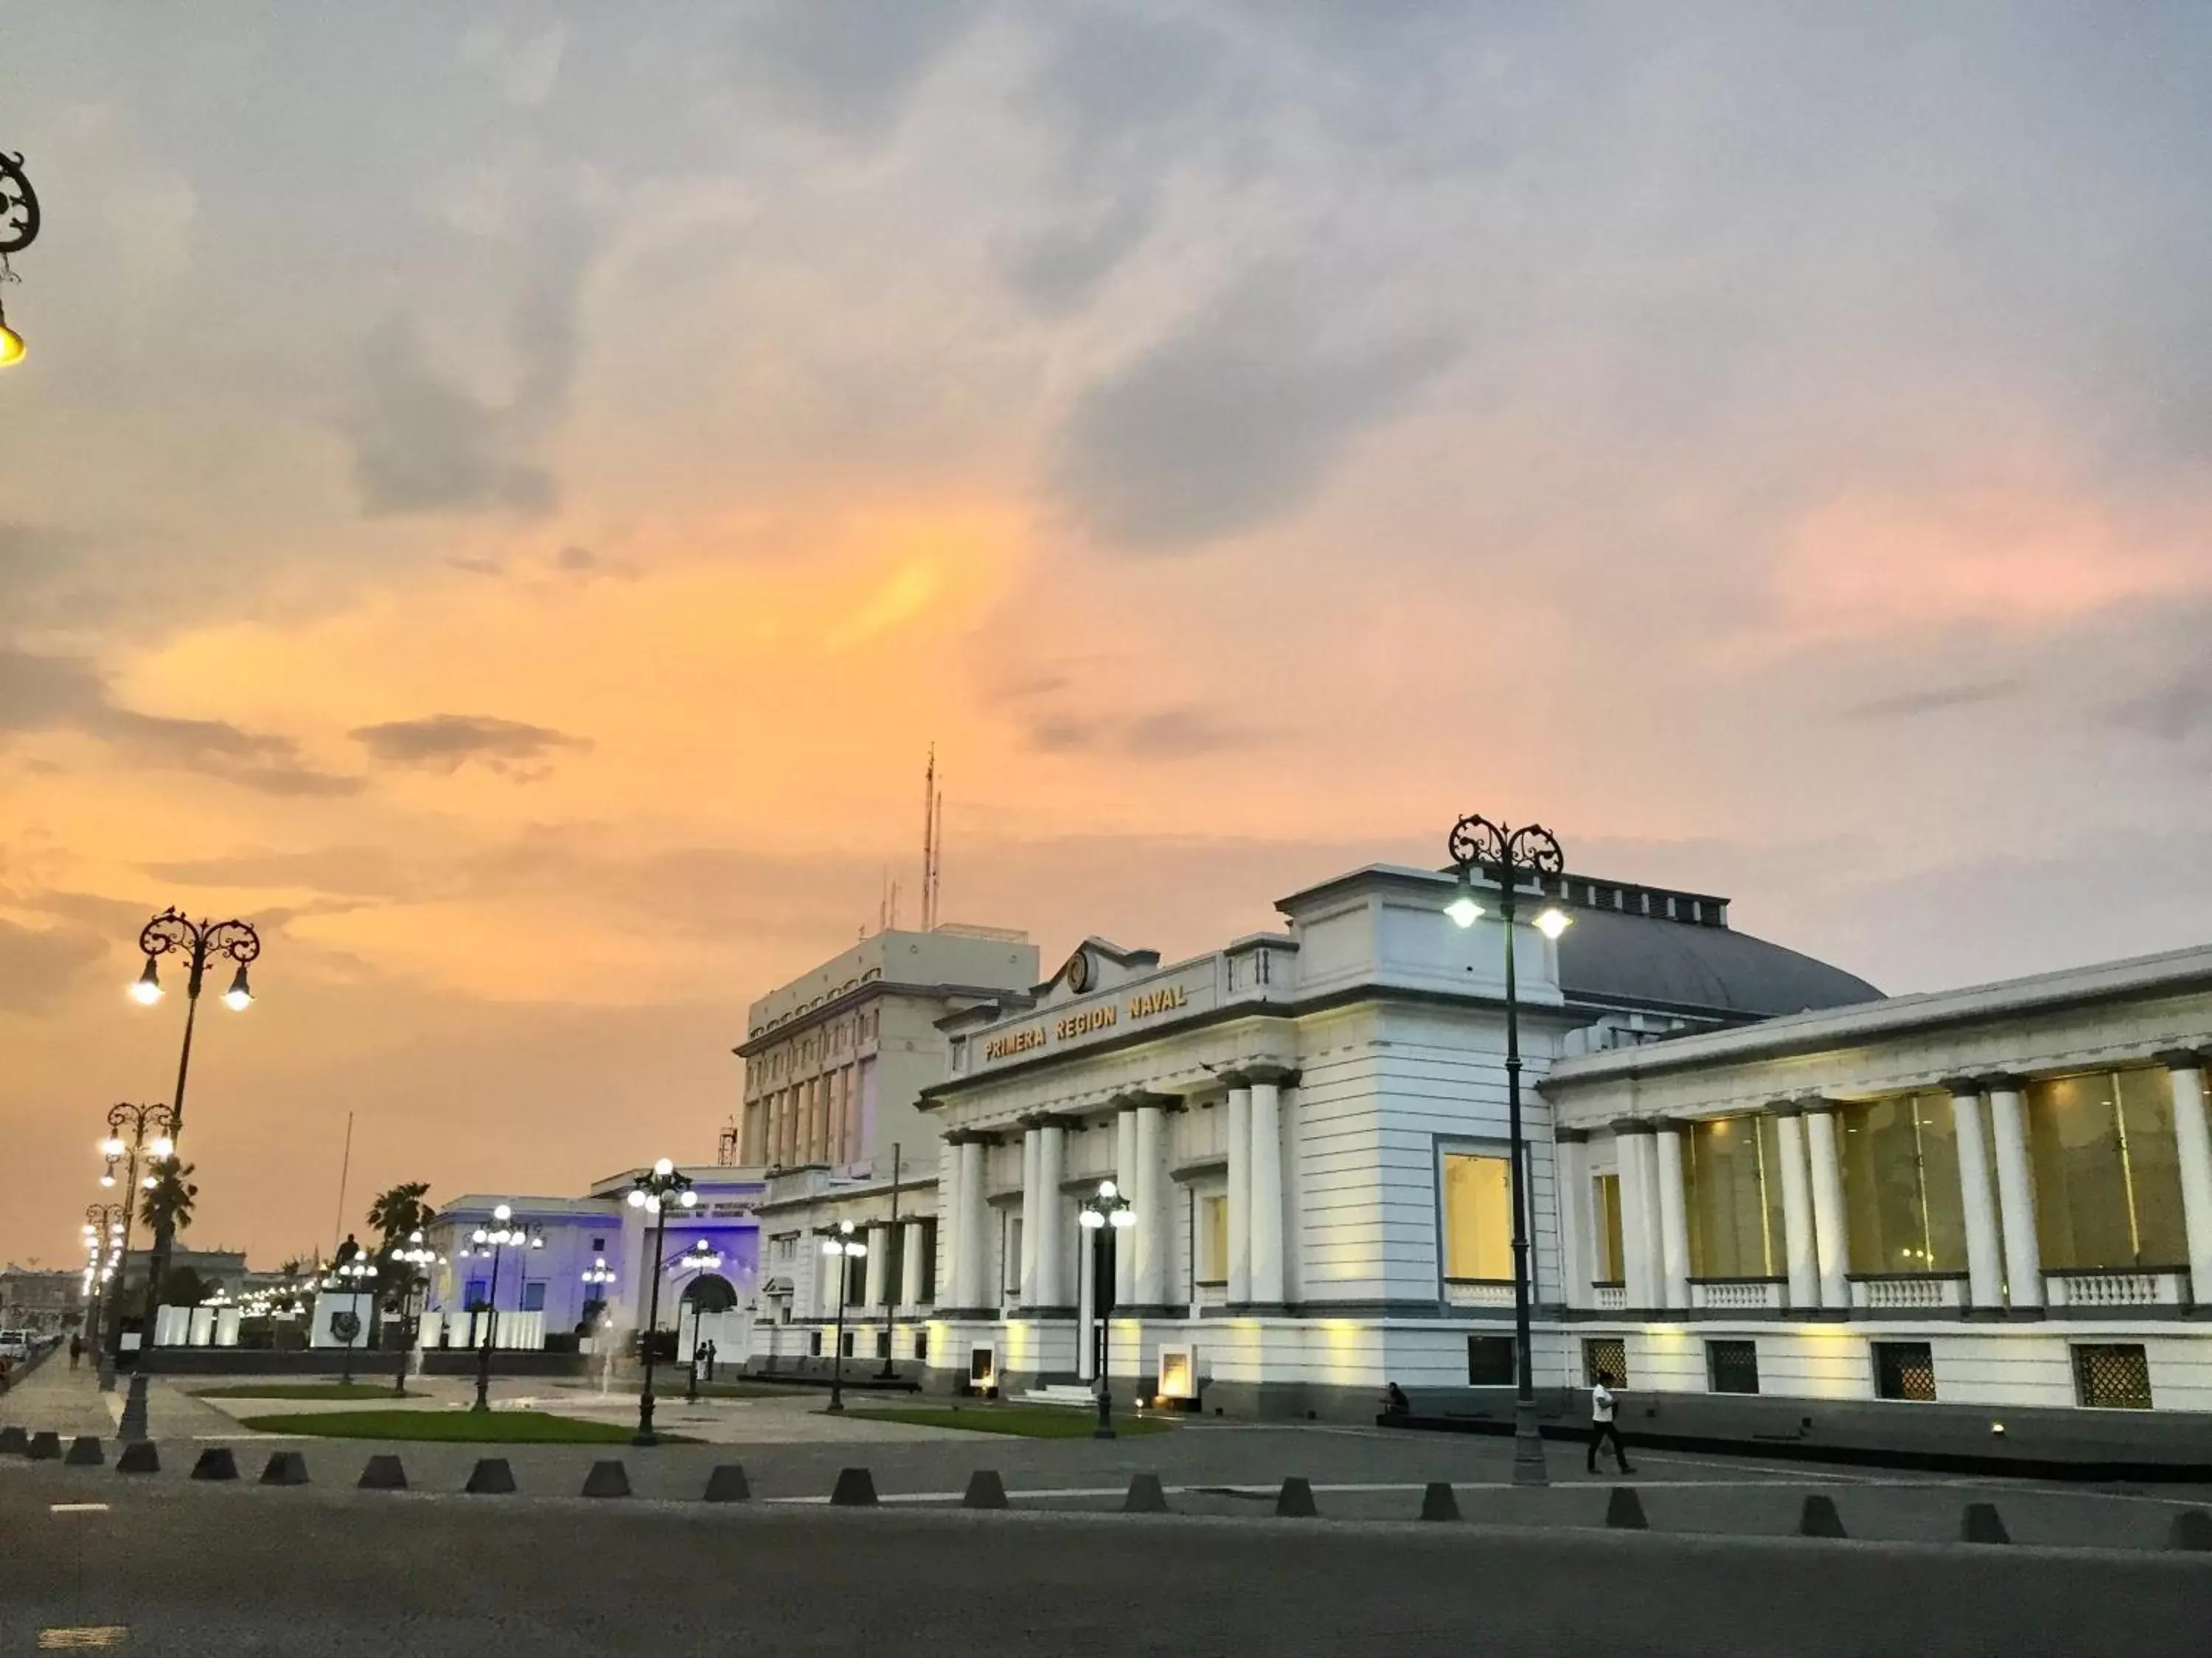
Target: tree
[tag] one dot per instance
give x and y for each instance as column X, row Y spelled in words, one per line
column 171, row 1198
column 182, row 1287
column 399, row 1211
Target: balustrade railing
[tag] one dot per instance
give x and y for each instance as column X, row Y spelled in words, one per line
column 1737, row 1295
column 1908, row 1292
column 1478, row 1292
column 2148, row 1286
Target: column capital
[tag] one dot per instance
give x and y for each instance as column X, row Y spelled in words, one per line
column 1814, row 1104
column 2001, row 1081
column 1962, row 1087
column 1785, row 1108
column 1284, row 1076
column 1138, row 1098
column 1570, row 1136
column 1049, row 1119
column 970, row 1137
column 2179, row 1058
column 1627, row 1125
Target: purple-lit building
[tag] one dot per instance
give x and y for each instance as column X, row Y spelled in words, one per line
column 597, row 1233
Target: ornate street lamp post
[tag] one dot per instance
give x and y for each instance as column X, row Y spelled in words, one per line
column 653, row 1191
column 502, row 1233
column 1509, row 857
column 1106, row 1208
column 200, row 942
column 103, row 1246
column 139, row 1121
column 841, row 1245
column 352, row 1276
column 19, row 228
column 417, row 1258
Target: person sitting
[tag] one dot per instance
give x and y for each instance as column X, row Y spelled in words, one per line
column 1394, row 1402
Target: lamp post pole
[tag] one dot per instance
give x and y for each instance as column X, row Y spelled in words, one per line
column 652, row 1191
column 104, row 1225
column 138, row 1119
column 417, row 1258
column 352, row 1276
column 1508, row 856
column 1103, row 1210
column 841, row 1246
column 502, row 1232
column 166, row 934
column 889, row 1372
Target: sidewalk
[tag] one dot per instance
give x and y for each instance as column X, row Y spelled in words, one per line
column 54, row 1397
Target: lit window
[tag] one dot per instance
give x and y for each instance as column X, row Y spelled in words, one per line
column 1478, row 1217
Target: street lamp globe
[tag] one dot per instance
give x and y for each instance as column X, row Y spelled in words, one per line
column 503, row 1213
column 636, row 1198
column 664, row 1167
column 148, row 988
column 112, row 1146
column 1463, row 909
column 162, row 1148
column 1552, row 922
column 240, row 997
column 11, row 347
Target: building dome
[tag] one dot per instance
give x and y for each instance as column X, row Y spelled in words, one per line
column 1640, row 959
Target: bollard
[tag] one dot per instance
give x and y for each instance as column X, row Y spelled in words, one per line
column 1144, row 1496
column 1983, row 1524
column 491, row 1477
column 1624, row 1511
column 607, row 1478
column 46, row 1447
column 14, row 1441
column 383, row 1472
column 1295, row 1500
column 84, row 1452
column 2192, row 1530
column 985, row 1491
column 139, row 1457
column 855, row 1489
column 727, row 1484
column 216, row 1463
column 1820, row 1518
column 285, row 1468
column 1439, row 1501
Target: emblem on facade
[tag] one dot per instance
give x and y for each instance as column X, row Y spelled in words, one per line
column 1078, row 972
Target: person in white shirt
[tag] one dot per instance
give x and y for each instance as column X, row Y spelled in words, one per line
column 1602, row 1426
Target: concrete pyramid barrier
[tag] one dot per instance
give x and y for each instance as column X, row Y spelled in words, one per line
column 491, row 1477
column 1819, row 1517
column 139, row 1457
column 85, row 1452
column 985, row 1491
column 1439, row 1501
column 216, row 1462
column 1296, row 1500
column 14, row 1441
column 1144, row 1496
column 1982, row 1523
column 45, row 1447
column 383, row 1472
column 855, row 1489
column 727, row 1484
column 2192, row 1530
column 285, row 1468
column 1624, row 1511
column 608, row 1478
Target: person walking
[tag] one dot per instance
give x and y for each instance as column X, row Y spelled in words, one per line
column 1603, row 1427
column 76, row 1348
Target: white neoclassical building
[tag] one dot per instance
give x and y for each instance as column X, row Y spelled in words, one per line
column 1311, row 1126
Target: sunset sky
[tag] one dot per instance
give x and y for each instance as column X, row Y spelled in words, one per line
column 504, row 497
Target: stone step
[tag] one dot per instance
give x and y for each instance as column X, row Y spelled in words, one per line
column 1074, row 1395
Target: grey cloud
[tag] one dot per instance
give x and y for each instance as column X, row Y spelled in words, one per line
column 2175, row 711
column 45, row 693
column 1060, row 269
column 1907, row 705
column 1235, row 420
column 445, row 742
column 37, row 967
column 577, row 558
column 853, row 66
column 1166, row 734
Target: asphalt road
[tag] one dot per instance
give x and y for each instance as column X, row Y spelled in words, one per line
column 191, row 1568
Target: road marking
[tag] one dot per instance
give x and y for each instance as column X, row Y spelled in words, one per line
column 76, row 1508
column 95, row 1635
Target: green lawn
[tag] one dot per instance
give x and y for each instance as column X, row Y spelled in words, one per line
column 1028, row 1420
column 463, row 1427
column 306, row 1390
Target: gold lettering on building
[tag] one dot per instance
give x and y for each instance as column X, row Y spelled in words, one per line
column 1013, row 1042
column 1090, row 1020
column 1156, row 1001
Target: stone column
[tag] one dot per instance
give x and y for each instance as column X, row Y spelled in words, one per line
column 1032, row 1206
column 1673, row 1218
column 1125, row 1177
column 2023, row 1252
column 910, row 1264
column 1264, row 1239
column 1570, row 1170
column 975, row 1289
column 1798, row 1252
column 1831, row 1241
column 1086, row 1309
column 1240, row 1193
column 1985, row 1264
column 2192, row 1147
column 1049, row 1252
column 1149, row 1193
column 879, row 1261
column 1639, row 1275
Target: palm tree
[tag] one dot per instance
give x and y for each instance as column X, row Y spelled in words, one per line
column 399, row 1211
column 171, row 1198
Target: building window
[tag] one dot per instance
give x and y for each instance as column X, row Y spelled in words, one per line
column 847, row 1347
column 814, row 1343
column 1732, row 1209
column 1213, row 1239
column 473, row 1297
column 1904, row 1369
column 1901, row 1203
column 1010, row 1279
column 856, row 1280
column 1612, row 1260
column 1490, row 1362
column 1478, row 1217
column 1732, row 1367
column 2107, row 1177
column 2111, row 1376
column 598, row 1245
column 534, row 1295
column 928, row 1265
column 1605, row 1356
column 921, row 1347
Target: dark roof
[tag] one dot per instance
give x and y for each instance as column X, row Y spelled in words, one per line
column 1606, row 956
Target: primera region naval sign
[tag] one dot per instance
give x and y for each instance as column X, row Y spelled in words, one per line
column 1087, row 1021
